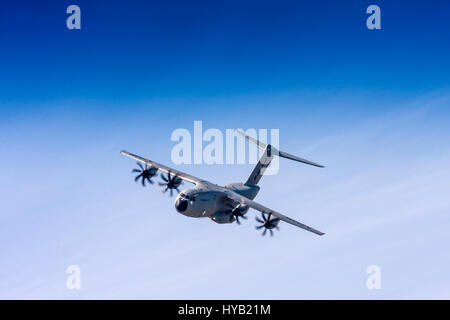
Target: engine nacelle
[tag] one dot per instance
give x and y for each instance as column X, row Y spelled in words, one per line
column 274, row 221
column 222, row 217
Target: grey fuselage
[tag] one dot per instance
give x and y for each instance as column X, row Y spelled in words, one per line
column 202, row 201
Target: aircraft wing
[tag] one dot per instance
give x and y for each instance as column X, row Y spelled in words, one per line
column 182, row 175
column 252, row 204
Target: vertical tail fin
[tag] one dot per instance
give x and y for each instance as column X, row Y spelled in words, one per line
column 260, row 167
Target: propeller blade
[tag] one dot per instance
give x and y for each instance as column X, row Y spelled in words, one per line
column 269, row 223
column 144, row 174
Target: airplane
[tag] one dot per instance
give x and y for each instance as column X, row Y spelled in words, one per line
column 222, row 204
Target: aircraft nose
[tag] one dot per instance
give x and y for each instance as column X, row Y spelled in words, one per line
column 181, row 205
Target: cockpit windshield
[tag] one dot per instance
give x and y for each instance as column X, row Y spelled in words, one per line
column 187, row 197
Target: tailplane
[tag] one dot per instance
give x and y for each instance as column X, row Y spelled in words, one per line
column 264, row 162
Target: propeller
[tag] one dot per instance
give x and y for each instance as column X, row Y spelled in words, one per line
column 268, row 223
column 170, row 182
column 238, row 212
column 145, row 173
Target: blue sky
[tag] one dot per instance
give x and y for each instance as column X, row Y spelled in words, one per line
column 373, row 106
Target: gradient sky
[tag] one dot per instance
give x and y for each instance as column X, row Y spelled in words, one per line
column 371, row 105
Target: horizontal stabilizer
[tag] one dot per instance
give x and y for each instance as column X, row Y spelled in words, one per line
column 275, row 152
column 290, row 156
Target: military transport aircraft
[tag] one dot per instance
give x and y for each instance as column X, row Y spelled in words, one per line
column 221, row 204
